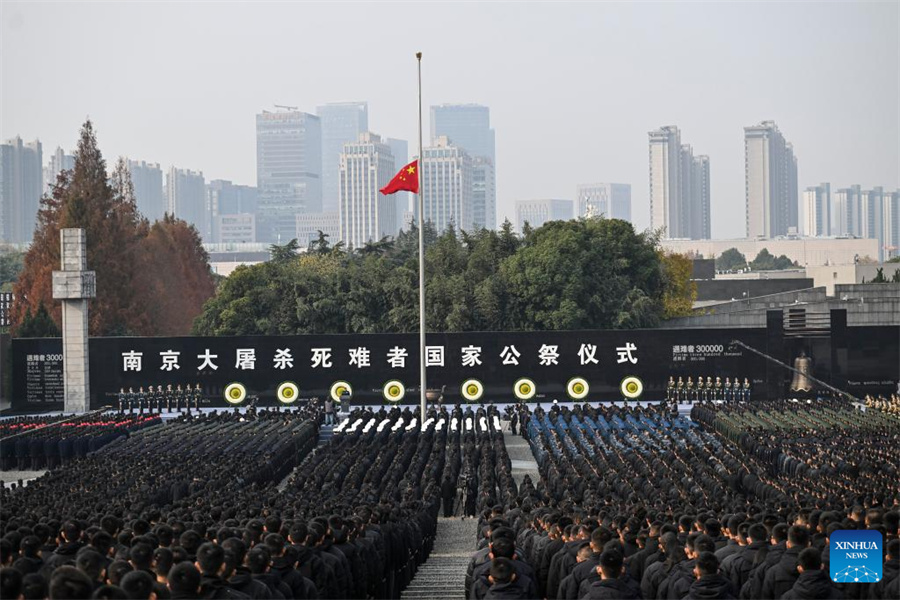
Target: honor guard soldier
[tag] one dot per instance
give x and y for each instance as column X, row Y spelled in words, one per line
column 746, row 394
column 700, row 394
column 670, row 389
column 709, row 388
column 143, row 399
column 689, row 388
column 680, row 389
column 727, row 389
column 160, row 397
column 121, row 400
column 198, row 394
column 179, row 396
column 718, row 388
column 170, row 397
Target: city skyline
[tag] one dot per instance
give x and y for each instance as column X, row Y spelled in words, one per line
column 597, row 140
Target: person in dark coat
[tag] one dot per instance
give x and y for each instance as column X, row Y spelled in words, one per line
column 448, row 493
column 612, row 584
column 710, row 584
column 504, row 583
column 813, row 582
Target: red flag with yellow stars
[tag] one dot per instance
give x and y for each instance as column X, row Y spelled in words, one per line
column 406, row 180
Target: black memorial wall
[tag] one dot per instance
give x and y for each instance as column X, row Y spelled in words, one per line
column 367, row 362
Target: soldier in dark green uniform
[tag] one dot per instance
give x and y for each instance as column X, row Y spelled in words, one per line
column 680, row 390
column 670, row 389
column 121, row 400
column 198, row 395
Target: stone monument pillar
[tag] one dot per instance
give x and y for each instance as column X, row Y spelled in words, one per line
column 74, row 285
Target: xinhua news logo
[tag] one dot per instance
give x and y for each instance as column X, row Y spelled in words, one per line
column 856, row 556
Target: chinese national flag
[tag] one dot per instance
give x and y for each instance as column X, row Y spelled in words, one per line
column 406, row 180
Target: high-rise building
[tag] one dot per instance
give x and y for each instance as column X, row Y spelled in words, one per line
column 59, row 161
column 817, row 211
column 770, row 176
column 468, row 126
column 446, row 184
column 701, row 215
column 226, row 198
column 366, row 215
column 21, row 188
column 679, row 187
column 148, row 189
column 890, row 222
column 612, row 200
column 342, row 122
column 484, row 193
column 186, row 199
column 538, row 212
column 404, row 200
column 845, row 216
column 310, row 224
column 288, row 171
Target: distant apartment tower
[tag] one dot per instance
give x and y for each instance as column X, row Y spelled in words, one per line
column 224, row 198
column 679, row 187
column 366, row 215
column 404, row 200
column 845, row 216
column 59, row 161
column 186, row 199
column 468, row 126
column 770, row 180
column 21, row 188
column 538, row 212
column 288, row 171
column 446, row 184
column 817, row 211
column 342, row 122
column 890, row 222
column 148, row 189
column 310, row 224
column 612, row 200
column 484, row 193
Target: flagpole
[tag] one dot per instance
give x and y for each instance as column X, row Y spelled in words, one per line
column 421, row 255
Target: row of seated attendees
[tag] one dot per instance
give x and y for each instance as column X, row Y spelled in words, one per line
column 879, row 402
column 201, row 506
column 35, row 445
column 689, row 391
column 739, row 502
column 158, row 399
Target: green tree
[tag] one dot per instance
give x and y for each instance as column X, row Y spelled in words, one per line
column 11, row 263
column 285, row 252
column 576, row 274
column 680, row 291
column 730, row 260
column 38, row 325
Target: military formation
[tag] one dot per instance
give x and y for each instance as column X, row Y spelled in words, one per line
column 158, row 399
column 707, row 390
column 738, row 502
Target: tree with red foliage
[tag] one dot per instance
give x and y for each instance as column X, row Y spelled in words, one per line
column 121, row 247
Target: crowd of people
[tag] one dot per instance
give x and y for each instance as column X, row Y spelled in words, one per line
column 708, row 389
column 738, row 502
column 35, row 443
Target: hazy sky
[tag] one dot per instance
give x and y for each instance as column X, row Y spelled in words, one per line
column 573, row 88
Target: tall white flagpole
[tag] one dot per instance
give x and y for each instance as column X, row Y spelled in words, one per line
column 421, row 255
